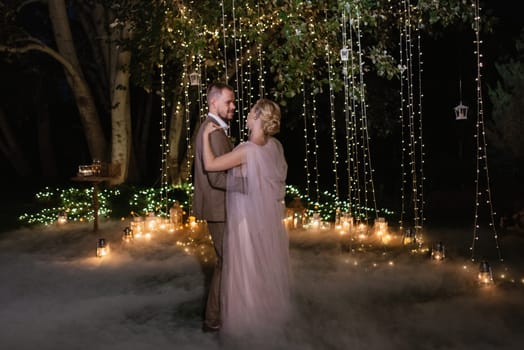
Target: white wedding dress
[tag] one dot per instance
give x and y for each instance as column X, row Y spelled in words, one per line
column 256, row 273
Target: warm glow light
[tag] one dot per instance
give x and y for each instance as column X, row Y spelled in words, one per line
column 386, row 238
column 127, row 236
column 102, row 248
column 438, row 251
column 62, row 218
column 485, row 275
column 151, row 222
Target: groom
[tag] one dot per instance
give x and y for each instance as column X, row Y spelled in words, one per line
column 210, row 189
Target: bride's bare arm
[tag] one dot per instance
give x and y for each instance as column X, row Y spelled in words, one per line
column 223, row 162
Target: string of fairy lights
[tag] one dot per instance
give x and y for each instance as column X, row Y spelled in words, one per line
column 482, row 181
column 306, row 142
column 314, row 124
column 412, row 145
column 350, row 115
column 344, row 55
column 361, row 191
column 164, row 144
column 224, row 37
column 261, row 72
column 366, row 149
column 420, row 183
column 237, row 47
column 402, row 118
column 187, row 118
column 333, row 122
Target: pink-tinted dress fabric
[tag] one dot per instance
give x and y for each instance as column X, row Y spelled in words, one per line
column 255, row 285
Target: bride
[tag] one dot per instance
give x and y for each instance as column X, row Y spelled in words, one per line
column 255, row 285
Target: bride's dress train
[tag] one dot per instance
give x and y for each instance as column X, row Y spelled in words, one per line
column 255, row 285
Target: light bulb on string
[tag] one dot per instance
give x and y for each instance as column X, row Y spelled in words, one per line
column 481, row 147
column 333, row 120
column 306, row 142
column 164, row 146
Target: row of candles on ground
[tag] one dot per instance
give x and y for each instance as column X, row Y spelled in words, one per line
column 345, row 224
column 485, row 274
column 143, row 227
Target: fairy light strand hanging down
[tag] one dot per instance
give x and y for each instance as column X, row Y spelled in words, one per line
column 482, row 155
column 333, row 122
column 412, row 146
column 164, row 144
column 346, row 54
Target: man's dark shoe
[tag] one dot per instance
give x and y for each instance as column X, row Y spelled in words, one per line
column 207, row 328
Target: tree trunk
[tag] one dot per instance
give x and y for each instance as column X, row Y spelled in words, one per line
column 11, row 149
column 95, row 21
column 175, row 136
column 187, row 164
column 81, row 91
column 121, row 114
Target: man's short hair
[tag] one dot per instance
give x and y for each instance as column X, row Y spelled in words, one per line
column 215, row 89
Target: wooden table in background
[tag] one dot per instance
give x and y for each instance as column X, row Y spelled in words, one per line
column 94, row 181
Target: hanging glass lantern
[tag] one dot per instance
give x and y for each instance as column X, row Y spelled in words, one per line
column 191, row 221
column 409, row 237
column 344, row 54
column 345, row 223
column 298, row 211
column 362, row 231
column 380, row 226
column 194, row 78
column 176, row 214
column 485, row 276
column 127, row 236
column 314, row 222
column 288, row 219
column 152, row 222
column 102, row 249
column 137, row 226
column 461, row 112
column 325, row 225
column 438, row 252
column 62, row 218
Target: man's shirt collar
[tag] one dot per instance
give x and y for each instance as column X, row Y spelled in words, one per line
column 219, row 120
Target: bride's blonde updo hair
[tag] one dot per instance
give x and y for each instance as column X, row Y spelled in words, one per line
column 269, row 113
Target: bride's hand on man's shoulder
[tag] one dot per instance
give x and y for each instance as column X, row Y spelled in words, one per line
column 210, row 127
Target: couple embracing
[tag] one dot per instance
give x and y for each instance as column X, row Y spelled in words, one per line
column 240, row 193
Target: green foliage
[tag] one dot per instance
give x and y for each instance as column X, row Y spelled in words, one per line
column 507, row 96
column 158, row 200
column 115, row 202
column 76, row 203
column 135, row 201
column 328, row 205
column 293, row 36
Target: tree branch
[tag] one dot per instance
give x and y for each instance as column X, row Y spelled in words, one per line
column 35, row 45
